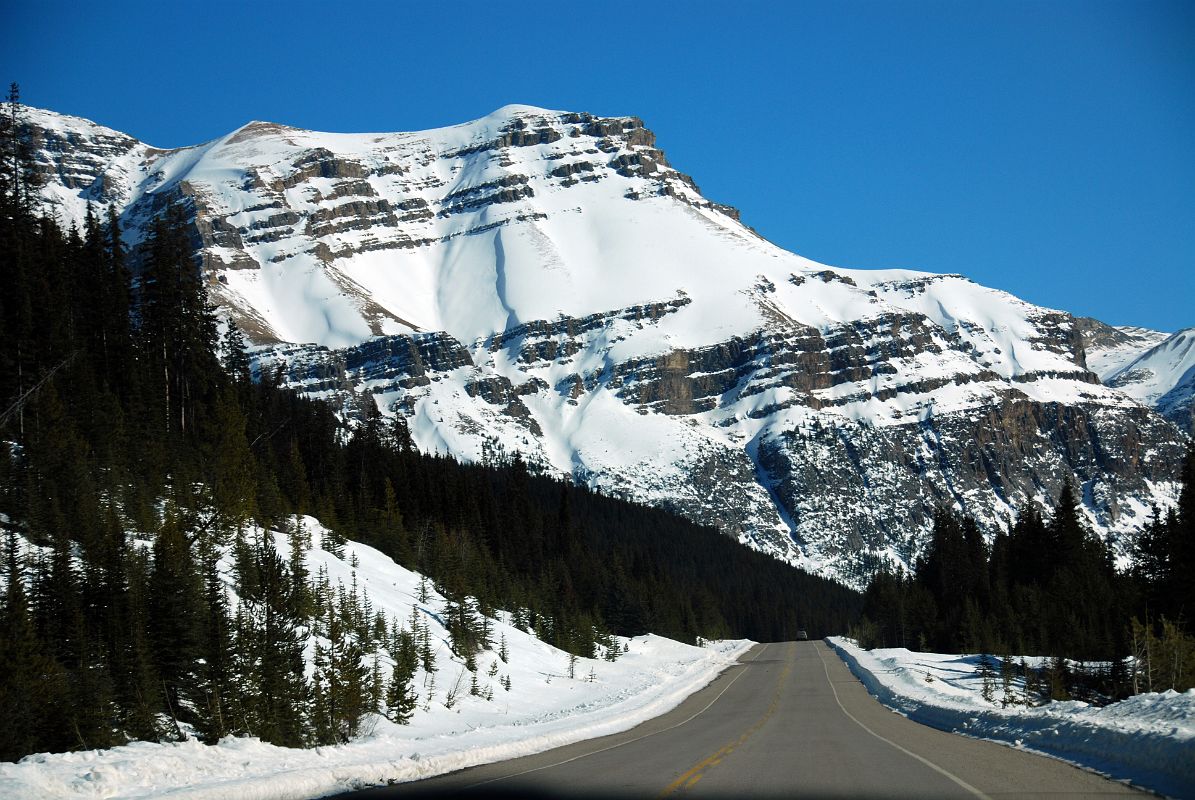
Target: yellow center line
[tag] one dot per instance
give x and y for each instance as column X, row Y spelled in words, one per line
column 697, row 771
column 685, row 721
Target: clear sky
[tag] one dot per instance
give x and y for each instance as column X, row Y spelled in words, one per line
column 1045, row 148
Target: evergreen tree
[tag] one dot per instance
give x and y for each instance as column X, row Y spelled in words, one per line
column 341, row 682
column 119, row 590
column 302, row 603
column 176, row 616
column 401, row 699
column 466, row 635
column 178, row 331
column 1059, row 679
column 272, row 671
column 20, row 179
column 235, row 354
column 987, row 676
column 115, row 337
column 217, row 679
column 1007, row 695
column 32, row 685
column 1182, row 547
column 231, row 469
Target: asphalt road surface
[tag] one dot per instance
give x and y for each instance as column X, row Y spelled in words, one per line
column 788, row 721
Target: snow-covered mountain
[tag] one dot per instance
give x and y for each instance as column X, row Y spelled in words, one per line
column 1157, row 369
column 1164, row 377
column 545, row 282
column 1109, row 348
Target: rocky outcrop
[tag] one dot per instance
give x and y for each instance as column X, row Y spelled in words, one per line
column 848, row 495
column 876, row 488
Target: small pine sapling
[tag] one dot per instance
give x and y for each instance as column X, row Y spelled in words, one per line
column 987, row 676
column 429, row 683
column 377, row 684
column 401, row 699
column 452, row 694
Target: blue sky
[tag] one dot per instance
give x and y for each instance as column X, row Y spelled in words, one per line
column 1045, row 148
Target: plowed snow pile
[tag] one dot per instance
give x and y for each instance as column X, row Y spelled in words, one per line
column 1148, row 739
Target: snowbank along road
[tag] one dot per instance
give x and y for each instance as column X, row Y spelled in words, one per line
column 788, row 721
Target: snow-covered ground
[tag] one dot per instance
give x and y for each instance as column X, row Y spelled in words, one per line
column 1148, row 739
column 543, row 709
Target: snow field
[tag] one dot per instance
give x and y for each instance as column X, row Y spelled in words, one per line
column 543, row 709
column 1148, row 739
column 1164, row 369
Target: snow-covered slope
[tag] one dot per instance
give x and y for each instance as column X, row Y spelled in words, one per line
column 546, row 282
column 1155, row 368
column 525, row 704
column 1109, row 348
column 1163, row 377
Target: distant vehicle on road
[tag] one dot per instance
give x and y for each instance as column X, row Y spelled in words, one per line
column 802, row 636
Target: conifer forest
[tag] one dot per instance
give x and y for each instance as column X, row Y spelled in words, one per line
column 1050, row 587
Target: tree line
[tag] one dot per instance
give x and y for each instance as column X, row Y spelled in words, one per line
column 137, row 448
column 1050, row 587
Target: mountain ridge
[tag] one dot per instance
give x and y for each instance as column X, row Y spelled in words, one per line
column 547, row 283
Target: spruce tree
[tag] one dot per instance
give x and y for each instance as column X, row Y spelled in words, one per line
column 1182, row 545
column 116, row 335
column 302, row 603
column 20, row 178
column 138, row 687
column 341, row 682
column 176, row 615
column 1007, row 668
column 231, row 470
column 32, row 685
column 178, row 330
column 218, row 683
column 987, row 678
column 401, row 698
column 235, row 354
column 270, row 641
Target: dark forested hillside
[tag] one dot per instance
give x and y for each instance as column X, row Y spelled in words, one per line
column 135, row 445
column 1049, row 587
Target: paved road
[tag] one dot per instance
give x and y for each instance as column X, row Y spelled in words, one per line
column 788, row 721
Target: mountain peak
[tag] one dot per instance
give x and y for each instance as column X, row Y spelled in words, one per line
column 546, row 283
column 522, row 110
